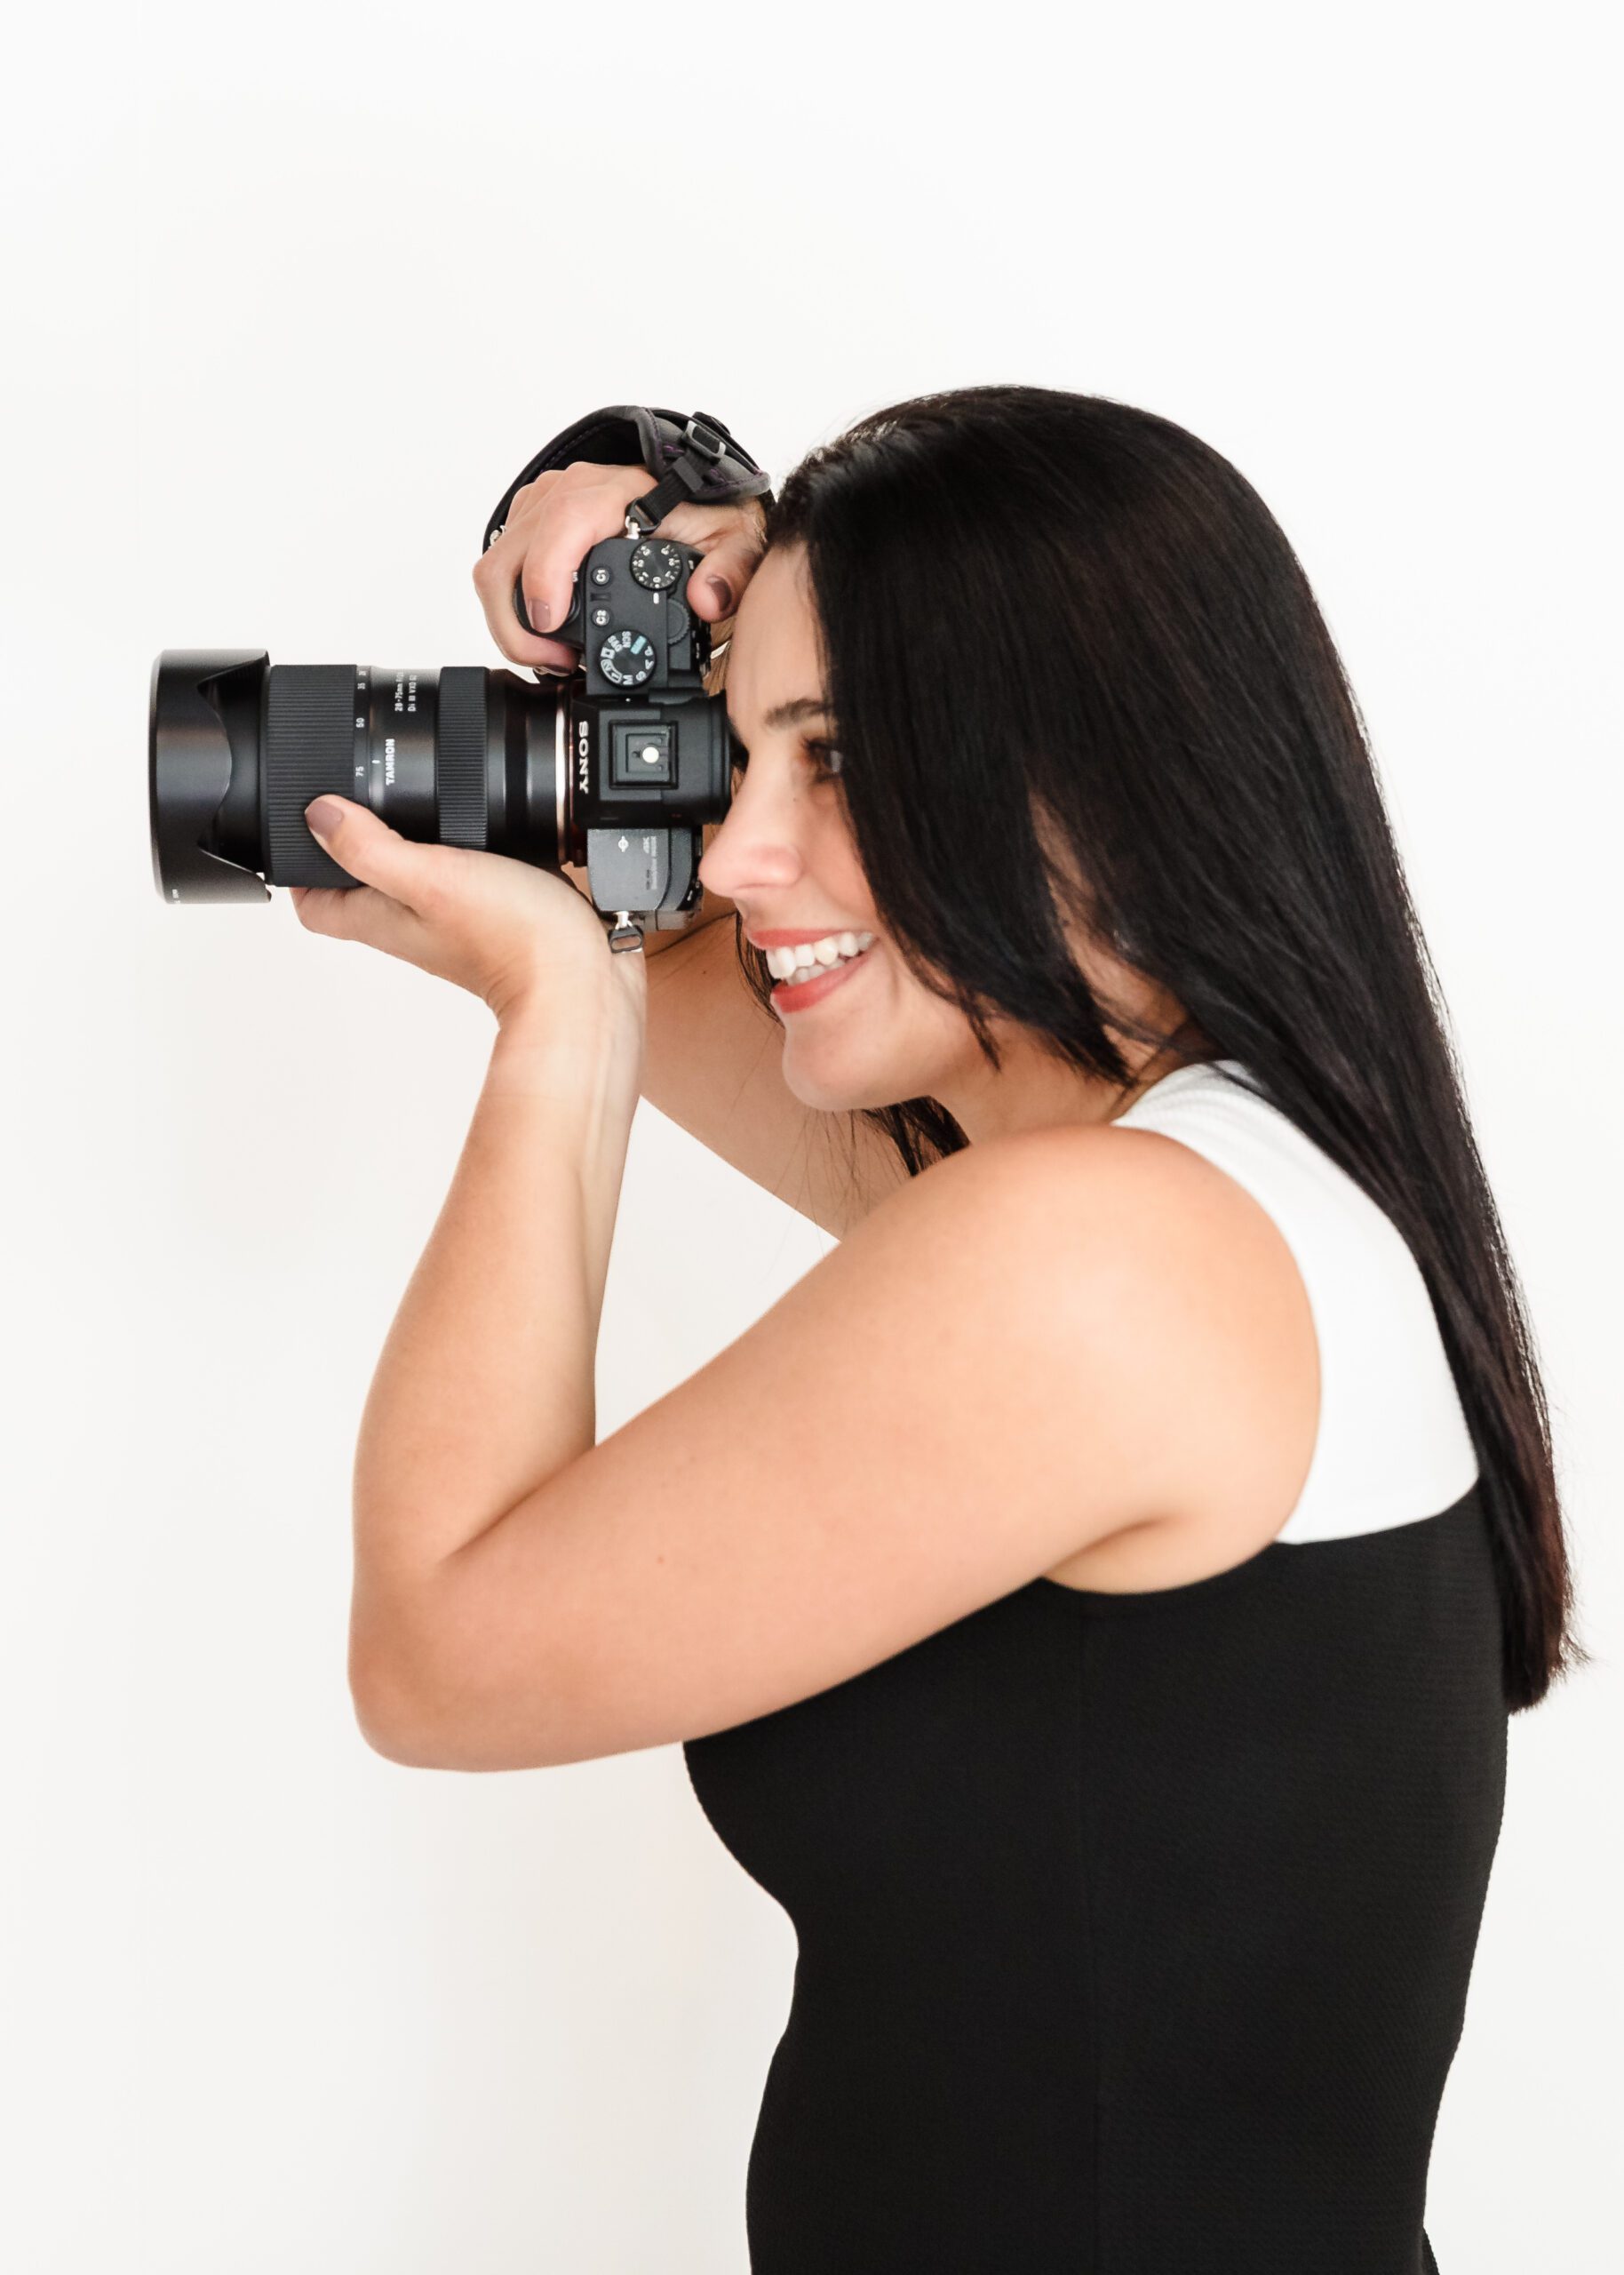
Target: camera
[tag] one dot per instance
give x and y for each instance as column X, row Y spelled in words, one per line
column 615, row 768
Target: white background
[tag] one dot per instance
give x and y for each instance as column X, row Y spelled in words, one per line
column 289, row 299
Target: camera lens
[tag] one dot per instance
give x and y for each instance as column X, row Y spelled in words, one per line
column 238, row 747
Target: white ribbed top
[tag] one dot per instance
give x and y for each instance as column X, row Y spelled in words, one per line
column 1392, row 1443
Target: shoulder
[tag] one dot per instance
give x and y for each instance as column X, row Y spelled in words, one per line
column 1097, row 1209
column 1161, row 1280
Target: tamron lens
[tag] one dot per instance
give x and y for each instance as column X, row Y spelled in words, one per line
column 615, row 769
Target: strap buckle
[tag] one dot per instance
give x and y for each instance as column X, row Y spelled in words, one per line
column 704, row 445
column 702, row 437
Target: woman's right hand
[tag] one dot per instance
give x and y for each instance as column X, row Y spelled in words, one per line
column 554, row 523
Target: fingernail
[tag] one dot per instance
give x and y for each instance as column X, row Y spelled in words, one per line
column 723, row 591
column 323, row 817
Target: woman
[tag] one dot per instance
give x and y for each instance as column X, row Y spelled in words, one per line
column 1092, row 1599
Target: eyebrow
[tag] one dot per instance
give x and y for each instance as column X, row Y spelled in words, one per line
column 789, row 714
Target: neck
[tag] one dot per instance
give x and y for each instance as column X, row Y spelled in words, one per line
column 1036, row 1090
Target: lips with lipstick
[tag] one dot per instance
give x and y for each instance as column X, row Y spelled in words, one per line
column 808, row 966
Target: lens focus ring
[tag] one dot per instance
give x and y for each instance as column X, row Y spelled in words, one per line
column 309, row 747
column 459, row 756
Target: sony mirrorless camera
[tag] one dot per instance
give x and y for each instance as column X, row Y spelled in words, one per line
column 614, row 769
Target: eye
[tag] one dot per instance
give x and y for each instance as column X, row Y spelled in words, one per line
column 828, row 759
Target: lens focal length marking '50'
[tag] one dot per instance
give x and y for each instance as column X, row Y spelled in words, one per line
column 364, row 788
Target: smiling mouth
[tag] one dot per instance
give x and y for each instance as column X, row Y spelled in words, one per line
column 798, row 994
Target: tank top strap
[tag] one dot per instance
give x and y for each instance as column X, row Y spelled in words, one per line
column 1392, row 1444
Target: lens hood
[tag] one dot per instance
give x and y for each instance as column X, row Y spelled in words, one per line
column 198, row 695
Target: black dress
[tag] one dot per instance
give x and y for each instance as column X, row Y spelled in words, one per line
column 1135, row 1930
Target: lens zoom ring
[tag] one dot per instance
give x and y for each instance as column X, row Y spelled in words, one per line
column 309, row 747
column 459, row 770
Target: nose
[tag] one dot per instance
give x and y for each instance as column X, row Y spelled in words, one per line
column 754, row 849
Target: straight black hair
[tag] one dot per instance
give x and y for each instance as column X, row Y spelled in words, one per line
column 1080, row 679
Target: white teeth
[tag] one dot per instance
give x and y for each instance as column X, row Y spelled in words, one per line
column 816, row 956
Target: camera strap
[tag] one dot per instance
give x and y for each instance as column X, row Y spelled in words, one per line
column 695, row 458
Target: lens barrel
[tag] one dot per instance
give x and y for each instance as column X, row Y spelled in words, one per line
column 414, row 746
column 563, row 770
column 238, row 747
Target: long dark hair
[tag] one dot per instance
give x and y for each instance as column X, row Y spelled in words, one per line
column 1079, row 679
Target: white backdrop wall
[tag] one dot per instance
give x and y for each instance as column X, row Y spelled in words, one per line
column 288, row 299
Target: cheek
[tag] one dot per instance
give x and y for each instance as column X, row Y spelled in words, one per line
column 837, row 858
column 914, row 1018
column 932, row 1032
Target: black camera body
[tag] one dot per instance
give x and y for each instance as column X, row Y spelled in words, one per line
column 650, row 750
column 629, row 619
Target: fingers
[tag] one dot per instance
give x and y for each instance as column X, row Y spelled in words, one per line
column 498, row 567
column 369, row 917
column 494, row 579
column 362, row 843
column 717, row 584
column 574, row 521
column 553, row 524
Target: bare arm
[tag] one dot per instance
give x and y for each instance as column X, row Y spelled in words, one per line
column 713, row 1066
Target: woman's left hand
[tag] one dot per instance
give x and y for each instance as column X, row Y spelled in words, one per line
column 522, row 939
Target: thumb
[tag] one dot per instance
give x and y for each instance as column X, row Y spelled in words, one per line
column 362, row 842
column 717, row 585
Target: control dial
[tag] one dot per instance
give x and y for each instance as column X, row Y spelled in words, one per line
column 657, row 566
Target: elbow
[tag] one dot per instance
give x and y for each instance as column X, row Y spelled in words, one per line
column 399, row 1723
column 386, row 1739
column 415, row 1710
column 389, row 1719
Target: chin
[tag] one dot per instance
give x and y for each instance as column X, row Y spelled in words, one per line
column 832, row 1089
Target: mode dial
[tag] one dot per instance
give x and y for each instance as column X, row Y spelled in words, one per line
column 627, row 658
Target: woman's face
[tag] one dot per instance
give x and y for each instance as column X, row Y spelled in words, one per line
column 873, row 1035
column 785, row 856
